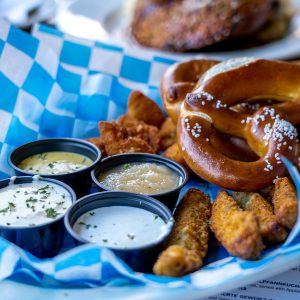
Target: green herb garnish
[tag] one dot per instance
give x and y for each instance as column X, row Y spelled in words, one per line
column 51, row 213
column 51, row 165
column 126, row 166
column 131, row 236
column 87, row 226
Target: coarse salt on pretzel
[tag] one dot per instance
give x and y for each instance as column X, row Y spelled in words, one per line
column 268, row 131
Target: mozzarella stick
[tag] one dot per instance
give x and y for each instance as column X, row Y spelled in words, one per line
column 237, row 230
column 285, row 202
column 188, row 242
column 270, row 229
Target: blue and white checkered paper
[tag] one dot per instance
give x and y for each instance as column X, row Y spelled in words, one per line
column 54, row 85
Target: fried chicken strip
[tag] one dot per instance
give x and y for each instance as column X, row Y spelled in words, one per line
column 237, row 230
column 270, row 229
column 174, row 153
column 188, row 242
column 285, row 202
column 142, row 108
column 117, row 141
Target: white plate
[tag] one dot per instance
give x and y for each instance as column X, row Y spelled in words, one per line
column 109, row 20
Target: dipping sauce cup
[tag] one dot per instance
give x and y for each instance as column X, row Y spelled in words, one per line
column 142, row 173
column 32, row 211
column 78, row 179
column 135, row 227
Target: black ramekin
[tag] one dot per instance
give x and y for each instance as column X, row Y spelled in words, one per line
column 43, row 240
column 80, row 180
column 140, row 259
column 169, row 198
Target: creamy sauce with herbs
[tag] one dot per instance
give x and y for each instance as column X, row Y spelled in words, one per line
column 56, row 162
column 120, row 227
column 141, row 178
column 31, row 204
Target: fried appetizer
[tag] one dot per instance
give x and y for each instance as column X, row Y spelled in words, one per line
column 270, row 229
column 285, row 202
column 167, row 134
column 237, row 230
column 174, row 153
column 187, row 25
column 142, row 108
column 117, row 140
column 188, row 242
column 140, row 129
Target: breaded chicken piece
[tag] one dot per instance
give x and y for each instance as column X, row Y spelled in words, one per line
column 285, row 202
column 237, row 230
column 142, row 108
column 188, row 242
column 167, row 134
column 117, row 141
column 270, row 229
column 140, row 129
column 174, row 153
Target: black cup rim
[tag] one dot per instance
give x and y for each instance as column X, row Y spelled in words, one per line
column 139, row 155
column 116, row 195
column 29, row 179
column 55, row 140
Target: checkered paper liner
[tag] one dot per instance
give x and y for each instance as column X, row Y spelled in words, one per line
column 55, row 85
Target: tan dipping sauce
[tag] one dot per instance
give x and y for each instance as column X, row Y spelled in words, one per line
column 56, row 162
column 141, row 178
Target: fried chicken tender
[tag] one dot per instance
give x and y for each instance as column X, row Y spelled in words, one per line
column 117, row 140
column 285, row 202
column 142, row 108
column 174, row 153
column 140, row 129
column 167, row 134
column 237, row 230
column 270, row 229
column 188, row 242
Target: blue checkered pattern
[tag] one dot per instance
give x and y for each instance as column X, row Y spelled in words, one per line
column 54, row 85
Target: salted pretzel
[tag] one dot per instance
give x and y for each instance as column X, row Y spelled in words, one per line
column 269, row 131
column 179, row 80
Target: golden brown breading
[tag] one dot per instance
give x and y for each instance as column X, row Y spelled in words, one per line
column 285, row 202
column 140, row 129
column 270, row 229
column 167, row 134
column 117, row 140
column 142, row 108
column 188, row 242
column 237, row 230
column 174, row 153
column 184, row 25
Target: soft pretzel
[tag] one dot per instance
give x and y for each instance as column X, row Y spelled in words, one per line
column 177, row 82
column 268, row 131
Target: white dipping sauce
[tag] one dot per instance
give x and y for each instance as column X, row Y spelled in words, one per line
column 121, row 227
column 31, row 204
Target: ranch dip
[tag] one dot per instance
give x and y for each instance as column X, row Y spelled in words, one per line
column 140, row 177
column 120, row 227
column 32, row 204
column 56, row 162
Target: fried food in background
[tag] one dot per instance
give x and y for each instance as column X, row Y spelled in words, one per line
column 142, row 108
column 167, row 134
column 270, row 229
column 100, row 144
column 188, row 242
column 237, row 230
column 188, row 25
column 285, row 202
column 278, row 25
column 117, row 140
